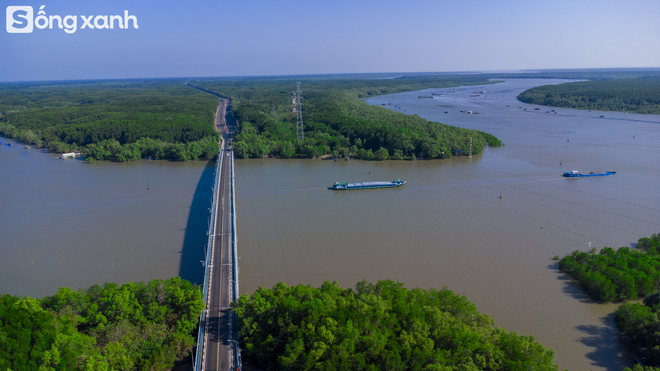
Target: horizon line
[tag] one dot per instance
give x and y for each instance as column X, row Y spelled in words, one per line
column 476, row 72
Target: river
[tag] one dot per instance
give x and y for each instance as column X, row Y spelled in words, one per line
column 67, row 223
column 448, row 225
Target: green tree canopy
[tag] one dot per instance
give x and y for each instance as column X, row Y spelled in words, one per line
column 378, row 327
column 120, row 121
column 617, row 274
column 637, row 95
column 338, row 122
column 135, row 326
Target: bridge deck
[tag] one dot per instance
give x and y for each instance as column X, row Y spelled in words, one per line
column 218, row 337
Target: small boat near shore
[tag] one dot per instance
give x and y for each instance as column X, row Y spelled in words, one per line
column 65, row 156
column 576, row 174
column 369, row 185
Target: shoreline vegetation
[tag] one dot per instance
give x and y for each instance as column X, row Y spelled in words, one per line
column 635, row 95
column 174, row 120
column 381, row 326
column 337, row 122
column 620, row 275
column 135, row 326
column 116, row 120
column 615, row 275
column 124, row 120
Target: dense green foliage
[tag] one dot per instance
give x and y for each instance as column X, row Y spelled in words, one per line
column 630, row 95
column 113, row 150
column 639, row 367
column 337, row 122
column 617, row 274
column 641, row 323
column 583, row 73
column 127, row 119
column 378, row 327
column 135, row 326
column 650, row 245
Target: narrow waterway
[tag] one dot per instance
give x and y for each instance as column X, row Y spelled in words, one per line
column 449, row 226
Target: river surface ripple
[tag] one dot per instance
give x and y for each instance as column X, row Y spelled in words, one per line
column 67, row 223
column 448, row 226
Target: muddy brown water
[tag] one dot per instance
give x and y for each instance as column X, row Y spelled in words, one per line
column 67, row 223
column 448, row 225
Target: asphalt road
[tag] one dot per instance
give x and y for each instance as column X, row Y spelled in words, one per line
column 219, row 348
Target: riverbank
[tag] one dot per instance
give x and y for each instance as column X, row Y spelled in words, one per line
column 640, row 96
column 448, row 225
column 67, row 223
column 118, row 120
column 337, row 122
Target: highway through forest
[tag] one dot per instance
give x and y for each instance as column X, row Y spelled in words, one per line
column 219, row 342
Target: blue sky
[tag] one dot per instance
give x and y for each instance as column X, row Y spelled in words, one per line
column 238, row 38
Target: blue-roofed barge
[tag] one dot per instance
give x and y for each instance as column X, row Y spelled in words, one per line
column 369, row 185
column 576, row 174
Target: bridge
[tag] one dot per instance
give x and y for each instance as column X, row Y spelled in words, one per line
column 217, row 343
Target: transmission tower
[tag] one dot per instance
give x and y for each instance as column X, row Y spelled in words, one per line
column 300, row 134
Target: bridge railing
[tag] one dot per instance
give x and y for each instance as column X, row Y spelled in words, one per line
column 237, row 352
column 201, row 351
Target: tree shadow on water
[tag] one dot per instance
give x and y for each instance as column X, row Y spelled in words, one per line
column 194, row 241
column 610, row 351
column 570, row 286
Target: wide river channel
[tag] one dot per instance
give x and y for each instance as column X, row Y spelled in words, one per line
column 67, row 223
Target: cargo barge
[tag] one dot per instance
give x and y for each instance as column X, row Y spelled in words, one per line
column 369, row 185
column 576, row 174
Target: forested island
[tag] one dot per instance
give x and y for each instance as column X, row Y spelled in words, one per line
column 135, row 326
column 582, row 74
column 638, row 95
column 337, row 122
column 112, row 120
column 381, row 326
column 615, row 275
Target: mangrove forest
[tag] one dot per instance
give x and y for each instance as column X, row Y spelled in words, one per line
column 337, row 121
column 640, row 95
column 112, row 120
column 382, row 326
column 135, row 326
